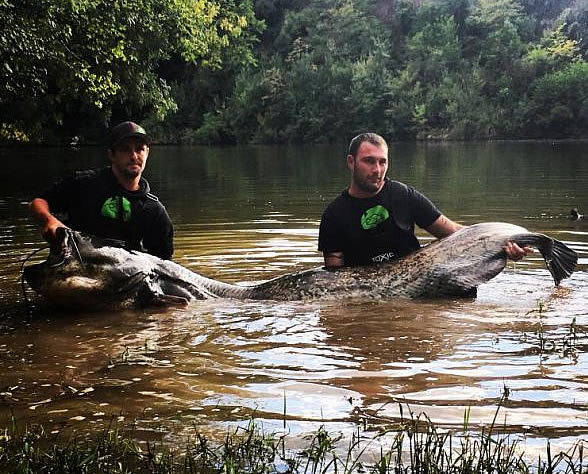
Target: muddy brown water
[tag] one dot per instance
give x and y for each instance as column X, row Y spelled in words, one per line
column 252, row 213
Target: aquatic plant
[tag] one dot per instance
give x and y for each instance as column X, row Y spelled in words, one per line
column 567, row 343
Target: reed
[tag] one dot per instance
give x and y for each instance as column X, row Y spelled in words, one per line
column 415, row 446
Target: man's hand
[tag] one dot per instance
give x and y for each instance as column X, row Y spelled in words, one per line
column 49, row 230
column 514, row 252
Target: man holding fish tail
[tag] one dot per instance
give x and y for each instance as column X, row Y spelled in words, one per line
column 373, row 220
column 113, row 202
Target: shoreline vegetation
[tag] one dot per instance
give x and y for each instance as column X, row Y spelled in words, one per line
column 413, row 445
column 293, row 71
column 342, row 143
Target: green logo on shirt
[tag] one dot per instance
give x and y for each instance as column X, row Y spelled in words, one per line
column 113, row 205
column 374, row 217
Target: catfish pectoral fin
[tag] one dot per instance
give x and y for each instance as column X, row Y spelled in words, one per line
column 180, row 289
column 132, row 282
column 460, row 278
column 168, row 300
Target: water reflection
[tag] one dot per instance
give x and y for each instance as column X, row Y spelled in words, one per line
column 224, row 360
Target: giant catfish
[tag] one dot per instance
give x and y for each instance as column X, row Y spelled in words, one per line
column 90, row 273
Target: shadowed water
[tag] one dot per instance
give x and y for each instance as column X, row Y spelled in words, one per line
column 249, row 214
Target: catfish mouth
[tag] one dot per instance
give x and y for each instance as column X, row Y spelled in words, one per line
column 78, row 274
column 61, row 251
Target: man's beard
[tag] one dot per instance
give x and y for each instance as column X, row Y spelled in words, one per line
column 131, row 173
column 365, row 185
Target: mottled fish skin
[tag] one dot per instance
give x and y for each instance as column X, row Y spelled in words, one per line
column 92, row 273
column 453, row 266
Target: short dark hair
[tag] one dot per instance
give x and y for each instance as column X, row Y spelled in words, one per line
column 369, row 137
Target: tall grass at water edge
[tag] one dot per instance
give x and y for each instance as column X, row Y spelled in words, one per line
column 414, row 446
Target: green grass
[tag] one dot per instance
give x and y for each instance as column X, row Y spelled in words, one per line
column 416, row 446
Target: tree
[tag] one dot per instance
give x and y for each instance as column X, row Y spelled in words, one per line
column 576, row 20
column 558, row 104
column 64, row 61
column 555, row 51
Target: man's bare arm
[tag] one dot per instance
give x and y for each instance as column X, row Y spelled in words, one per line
column 443, row 227
column 333, row 259
column 42, row 215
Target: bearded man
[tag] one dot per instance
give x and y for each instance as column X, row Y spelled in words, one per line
column 372, row 221
column 113, row 202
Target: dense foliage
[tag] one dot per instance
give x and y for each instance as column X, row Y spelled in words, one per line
column 230, row 71
column 72, row 66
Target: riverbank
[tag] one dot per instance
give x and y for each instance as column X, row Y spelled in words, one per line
column 429, row 137
column 414, row 445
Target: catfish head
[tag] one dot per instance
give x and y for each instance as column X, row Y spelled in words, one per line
column 82, row 273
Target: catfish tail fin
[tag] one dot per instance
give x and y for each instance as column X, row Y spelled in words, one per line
column 559, row 258
column 562, row 262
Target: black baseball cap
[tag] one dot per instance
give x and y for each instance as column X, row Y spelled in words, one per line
column 127, row 129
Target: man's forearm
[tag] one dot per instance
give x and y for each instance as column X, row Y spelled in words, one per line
column 47, row 222
column 333, row 260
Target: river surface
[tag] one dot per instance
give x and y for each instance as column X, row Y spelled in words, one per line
column 251, row 213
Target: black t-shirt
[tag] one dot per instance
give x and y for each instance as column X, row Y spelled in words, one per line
column 94, row 202
column 376, row 229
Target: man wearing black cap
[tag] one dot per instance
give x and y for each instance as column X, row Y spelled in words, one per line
column 112, row 202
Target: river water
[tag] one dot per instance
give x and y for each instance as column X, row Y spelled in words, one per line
column 248, row 214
